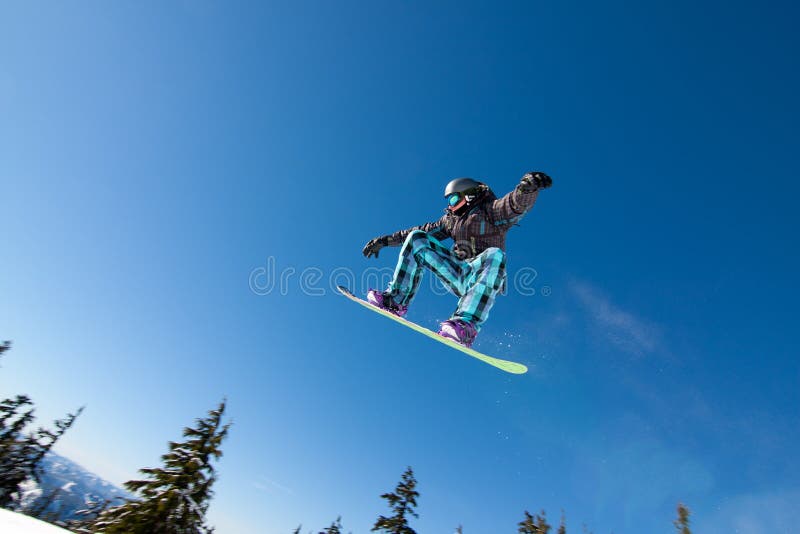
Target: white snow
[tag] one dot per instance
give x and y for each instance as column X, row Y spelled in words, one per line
column 29, row 492
column 13, row 523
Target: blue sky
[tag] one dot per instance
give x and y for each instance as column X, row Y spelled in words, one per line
column 153, row 156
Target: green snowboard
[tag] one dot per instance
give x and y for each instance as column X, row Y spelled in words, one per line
column 505, row 365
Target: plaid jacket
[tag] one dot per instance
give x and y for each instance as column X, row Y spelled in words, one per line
column 484, row 225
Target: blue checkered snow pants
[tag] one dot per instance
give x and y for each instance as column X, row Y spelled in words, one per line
column 476, row 282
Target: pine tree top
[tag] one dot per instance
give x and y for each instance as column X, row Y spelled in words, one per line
column 174, row 497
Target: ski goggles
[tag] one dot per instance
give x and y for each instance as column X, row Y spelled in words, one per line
column 453, row 199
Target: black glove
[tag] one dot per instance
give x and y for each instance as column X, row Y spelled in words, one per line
column 375, row 245
column 533, row 181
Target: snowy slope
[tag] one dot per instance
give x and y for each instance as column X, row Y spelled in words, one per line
column 13, row 523
column 69, row 488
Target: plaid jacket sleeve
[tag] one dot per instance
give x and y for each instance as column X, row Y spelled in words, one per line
column 512, row 207
column 437, row 229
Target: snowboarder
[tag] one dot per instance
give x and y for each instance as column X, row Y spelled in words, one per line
column 475, row 268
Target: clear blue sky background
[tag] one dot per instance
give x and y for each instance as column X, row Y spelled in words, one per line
column 153, row 155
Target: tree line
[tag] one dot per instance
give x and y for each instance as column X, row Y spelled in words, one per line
column 174, row 497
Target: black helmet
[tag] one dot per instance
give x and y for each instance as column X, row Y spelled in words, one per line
column 460, row 185
column 462, row 193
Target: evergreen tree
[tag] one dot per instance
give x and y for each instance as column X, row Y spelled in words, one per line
column 15, row 415
column 335, row 528
column 44, row 439
column 175, row 497
column 20, row 454
column 682, row 523
column 534, row 524
column 402, row 501
column 87, row 516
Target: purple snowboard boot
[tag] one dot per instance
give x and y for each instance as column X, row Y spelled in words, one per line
column 383, row 301
column 459, row 331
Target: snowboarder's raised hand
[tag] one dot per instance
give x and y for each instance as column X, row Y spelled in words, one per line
column 375, row 245
column 533, row 181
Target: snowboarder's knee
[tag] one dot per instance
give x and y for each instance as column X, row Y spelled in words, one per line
column 416, row 236
column 494, row 252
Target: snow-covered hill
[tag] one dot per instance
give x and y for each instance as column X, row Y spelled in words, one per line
column 65, row 488
column 13, row 523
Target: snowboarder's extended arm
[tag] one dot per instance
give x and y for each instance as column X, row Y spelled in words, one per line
column 436, row 229
column 511, row 208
